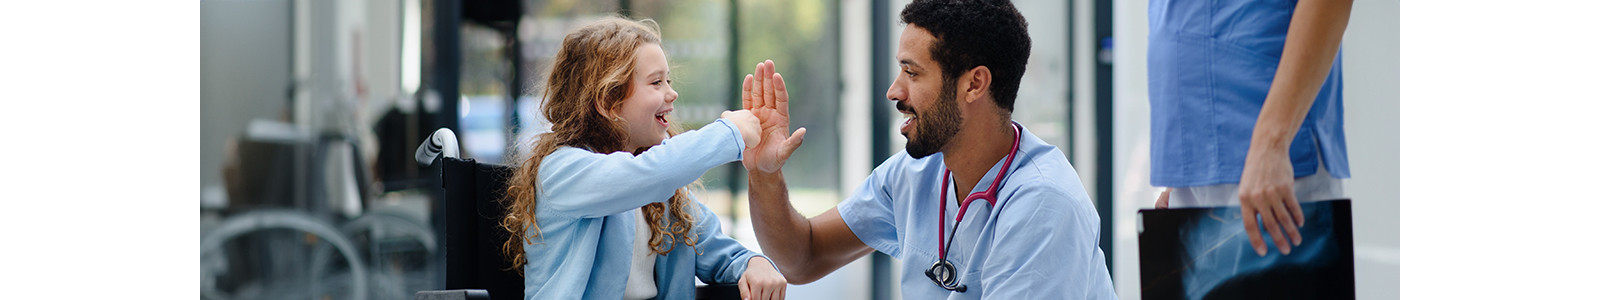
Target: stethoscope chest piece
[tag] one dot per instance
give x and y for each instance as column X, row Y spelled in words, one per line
column 944, row 273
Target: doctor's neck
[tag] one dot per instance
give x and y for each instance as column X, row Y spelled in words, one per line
column 983, row 142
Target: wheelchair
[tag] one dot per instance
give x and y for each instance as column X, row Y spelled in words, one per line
column 474, row 267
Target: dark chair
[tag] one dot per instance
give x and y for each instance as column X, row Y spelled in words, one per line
column 474, row 266
column 472, row 234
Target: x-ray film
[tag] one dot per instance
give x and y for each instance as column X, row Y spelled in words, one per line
column 1204, row 253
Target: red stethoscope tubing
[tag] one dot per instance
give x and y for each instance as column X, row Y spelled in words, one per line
column 987, row 195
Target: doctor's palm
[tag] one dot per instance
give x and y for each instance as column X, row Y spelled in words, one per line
column 766, row 97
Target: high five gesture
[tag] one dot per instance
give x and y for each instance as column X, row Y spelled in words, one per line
column 765, row 96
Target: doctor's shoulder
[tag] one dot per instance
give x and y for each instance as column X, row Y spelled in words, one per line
column 1047, row 193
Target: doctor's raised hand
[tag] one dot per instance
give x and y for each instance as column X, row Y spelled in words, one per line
column 765, row 95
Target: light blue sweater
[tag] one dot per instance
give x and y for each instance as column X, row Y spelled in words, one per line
column 585, row 214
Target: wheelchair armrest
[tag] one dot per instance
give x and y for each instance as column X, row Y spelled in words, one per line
column 453, row 295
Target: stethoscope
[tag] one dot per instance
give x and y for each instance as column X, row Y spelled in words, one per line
column 943, row 272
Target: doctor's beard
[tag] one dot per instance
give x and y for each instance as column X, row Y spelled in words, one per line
column 936, row 126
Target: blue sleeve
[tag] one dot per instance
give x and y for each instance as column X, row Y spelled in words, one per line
column 720, row 258
column 1053, row 248
column 594, row 184
column 869, row 212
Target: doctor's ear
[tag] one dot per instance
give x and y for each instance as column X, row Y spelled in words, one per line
column 975, row 82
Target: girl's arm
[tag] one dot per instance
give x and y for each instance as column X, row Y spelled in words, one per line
column 722, row 259
column 588, row 184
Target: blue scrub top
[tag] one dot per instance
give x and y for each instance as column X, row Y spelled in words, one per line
column 1211, row 64
column 1040, row 241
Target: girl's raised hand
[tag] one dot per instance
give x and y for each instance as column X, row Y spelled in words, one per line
column 749, row 126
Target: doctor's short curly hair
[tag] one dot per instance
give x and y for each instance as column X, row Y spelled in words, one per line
column 972, row 33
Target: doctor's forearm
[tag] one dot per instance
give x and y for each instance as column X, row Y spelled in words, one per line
column 784, row 234
column 1308, row 53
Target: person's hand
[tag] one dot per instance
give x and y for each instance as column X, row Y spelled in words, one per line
column 1161, row 202
column 1267, row 189
column 765, row 95
column 749, row 126
column 762, row 281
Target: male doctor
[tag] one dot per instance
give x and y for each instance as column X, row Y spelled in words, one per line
column 976, row 206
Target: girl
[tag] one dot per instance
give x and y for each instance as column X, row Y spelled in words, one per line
column 600, row 210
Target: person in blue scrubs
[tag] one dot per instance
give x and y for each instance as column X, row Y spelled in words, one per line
column 976, row 206
column 1246, row 108
column 599, row 210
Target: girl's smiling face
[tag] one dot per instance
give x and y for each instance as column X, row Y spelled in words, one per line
column 644, row 112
